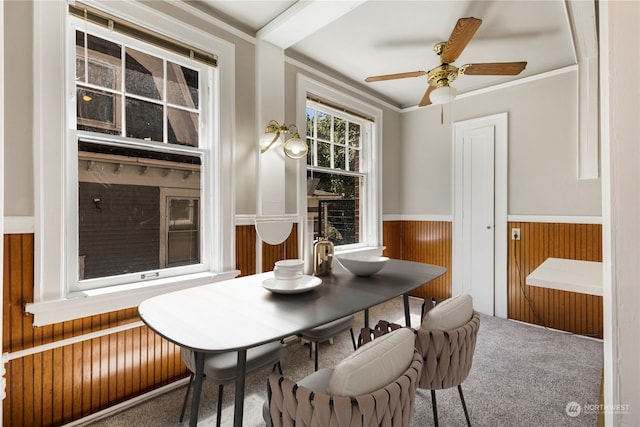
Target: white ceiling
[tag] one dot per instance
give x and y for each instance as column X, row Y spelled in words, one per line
column 376, row 37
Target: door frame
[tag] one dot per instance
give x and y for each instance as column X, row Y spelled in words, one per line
column 499, row 121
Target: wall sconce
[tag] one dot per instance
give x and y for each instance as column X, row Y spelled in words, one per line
column 294, row 147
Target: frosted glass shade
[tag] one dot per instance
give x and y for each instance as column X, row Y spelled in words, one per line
column 295, row 147
column 268, row 139
column 443, row 95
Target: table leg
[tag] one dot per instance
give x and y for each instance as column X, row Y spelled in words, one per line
column 197, row 389
column 366, row 318
column 240, row 374
column 407, row 311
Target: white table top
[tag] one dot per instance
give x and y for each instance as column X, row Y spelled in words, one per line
column 568, row 275
column 239, row 313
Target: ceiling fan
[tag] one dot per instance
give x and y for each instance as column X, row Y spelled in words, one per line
column 439, row 78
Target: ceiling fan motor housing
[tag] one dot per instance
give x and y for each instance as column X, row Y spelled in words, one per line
column 442, row 75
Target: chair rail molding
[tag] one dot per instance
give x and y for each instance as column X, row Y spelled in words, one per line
column 18, row 225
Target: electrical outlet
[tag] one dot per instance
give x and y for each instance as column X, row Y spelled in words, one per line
column 515, row 234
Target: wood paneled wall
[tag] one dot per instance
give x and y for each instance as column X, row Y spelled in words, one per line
column 431, row 242
column 61, row 385
column 423, row 241
column 567, row 311
column 246, row 250
column 57, row 386
column 285, row 250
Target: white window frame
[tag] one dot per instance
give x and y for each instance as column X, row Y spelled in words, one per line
column 362, row 151
column 208, row 84
column 54, row 169
column 371, row 215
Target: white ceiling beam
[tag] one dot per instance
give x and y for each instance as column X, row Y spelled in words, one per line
column 304, row 18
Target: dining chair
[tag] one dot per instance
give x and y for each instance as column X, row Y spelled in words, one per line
column 327, row 331
column 446, row 339
column 220, row 368
column 374, row 386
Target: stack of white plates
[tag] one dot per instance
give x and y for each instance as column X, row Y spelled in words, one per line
column 291, row 286
column 288, row 278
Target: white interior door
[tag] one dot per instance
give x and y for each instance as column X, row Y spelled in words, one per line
column 480, row 212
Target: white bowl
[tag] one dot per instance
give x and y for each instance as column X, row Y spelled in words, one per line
column 362, row 265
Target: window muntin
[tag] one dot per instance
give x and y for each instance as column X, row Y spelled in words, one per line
column 335, row 176
column 140, row 137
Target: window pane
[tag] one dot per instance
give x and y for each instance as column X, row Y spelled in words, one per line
column 324, row 126
column 310, row 121
column 104, row 59
column 354, row 134
column 144, row 120
column 182, row 126
column 324, row 154
column 310, row 153
column 98, row 111
column 333, row 203
column 119, row 205
column 182, row 86
column 340, row 126
column 144, row 75
column 354, row 160
column 182, row 240
column 339, row 162
column 118, row 228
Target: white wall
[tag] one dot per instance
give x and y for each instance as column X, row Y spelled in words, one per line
column 18, row 96
column 542, row 151
column 620, row 45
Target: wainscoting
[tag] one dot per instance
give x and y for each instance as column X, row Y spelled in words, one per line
column 567, row 311
column 60, row 385
column 57, row 386
column 422, row 241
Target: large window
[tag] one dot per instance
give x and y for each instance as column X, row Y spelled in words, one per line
column 337, row 175
column 141, row 136
column 144, row 174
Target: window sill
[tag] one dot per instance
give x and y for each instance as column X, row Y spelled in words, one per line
column 98, row 301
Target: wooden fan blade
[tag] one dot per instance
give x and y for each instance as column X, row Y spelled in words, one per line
column 460, row 36
column 426, row 100
column 395, row 76
column 493, row 69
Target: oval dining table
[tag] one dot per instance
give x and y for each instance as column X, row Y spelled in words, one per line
column 240, row 313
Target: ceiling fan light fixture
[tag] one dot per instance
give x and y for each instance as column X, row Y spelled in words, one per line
column 443, row 95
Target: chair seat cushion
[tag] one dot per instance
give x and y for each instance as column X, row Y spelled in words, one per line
column 328, row 330
column 449, row 314
column 374, row 365
column 318, row 381
column 221, row 367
